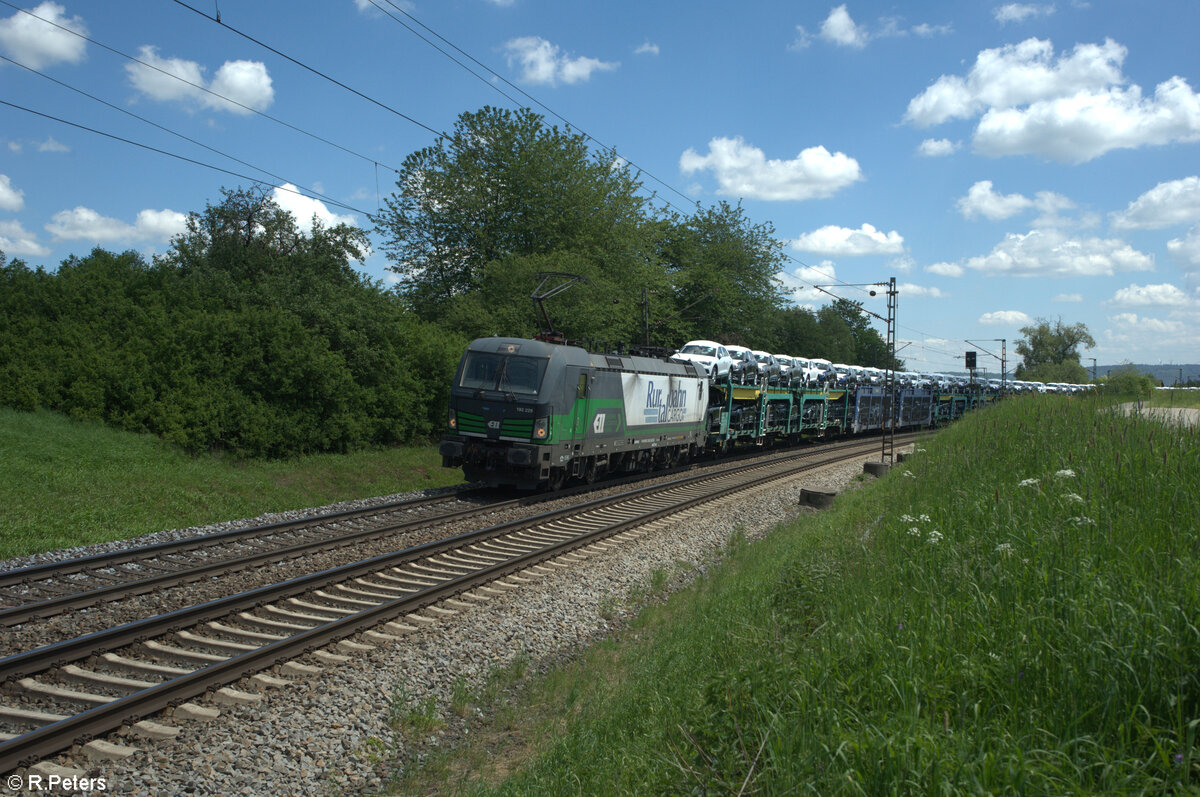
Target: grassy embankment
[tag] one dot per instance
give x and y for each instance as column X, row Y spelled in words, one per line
column 1014, row 611
column 1176, row 398
column 65, row 483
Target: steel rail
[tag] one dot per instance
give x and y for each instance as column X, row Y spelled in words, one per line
column 29, row 662
column 47, row 607
column 187, row 573
column 34, row 744
column 39, row 572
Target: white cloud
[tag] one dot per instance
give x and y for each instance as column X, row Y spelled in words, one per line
column 925, row 30
column 796, row 283
column 51, row 145
column 1164, row 205
column 982, row 200
column 1017, row 74
column 1051, row 205
column 85, row 223
column 647, row 48
column 937, row 147
column 909, row 289
column 15, row 240
column 1050, row 253
column 165, row 79
column 1019, row 12
column 1005, row 318
column 542, row 63
column 37, row 43
column 1086, row 125
column 238, row 86
column 11, row 198
column 839, row 28
column 1154, row 326
column 1159, row 327
column 372, row 9
column 1161, row 295
column 1071, row 109
column 744, row 171
column 1186, row 250
column 842, row 241
column 160, row 225
column 304, row 208
column 1124, row 319
column 82, row 223
column 1068, row 297
column 802, row 41
column 246, row 83
column 945, row 269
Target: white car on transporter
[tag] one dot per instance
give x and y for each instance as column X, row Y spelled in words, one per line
column 711, row 356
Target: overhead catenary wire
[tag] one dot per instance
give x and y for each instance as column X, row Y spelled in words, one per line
column 216, row 19
column 314, row 70
column 205, row 89
column 497, row 76
column 176, row 156
column 607, row 148
column 166, row 129
column 374, row 101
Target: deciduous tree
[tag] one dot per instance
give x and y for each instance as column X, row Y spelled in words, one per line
column 1050, row 352
column 480, row 212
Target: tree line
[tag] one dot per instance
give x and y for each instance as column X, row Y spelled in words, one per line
column 252, row 336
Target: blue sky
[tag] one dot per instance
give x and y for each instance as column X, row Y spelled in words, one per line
column 1004, row 161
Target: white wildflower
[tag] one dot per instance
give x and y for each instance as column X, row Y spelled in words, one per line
column 1004, row 549
column 919, row 450
column 1083, row 520
column 924, row 518
column 1027, row 482
column 908, row 474
column 1073, row 498
column 907, row 519
column 1065, row 473
column 934, row 537
column 914, row 532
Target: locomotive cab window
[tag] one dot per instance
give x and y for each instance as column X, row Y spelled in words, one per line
column 504, row 373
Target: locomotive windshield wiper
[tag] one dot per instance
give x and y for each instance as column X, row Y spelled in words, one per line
column 502, row 382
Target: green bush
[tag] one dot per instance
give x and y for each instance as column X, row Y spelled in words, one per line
column 248, row 336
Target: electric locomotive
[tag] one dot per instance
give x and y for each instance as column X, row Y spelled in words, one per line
column 531, row 414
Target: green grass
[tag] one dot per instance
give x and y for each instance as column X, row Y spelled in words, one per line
column 1176, row 398
column 1016, row 610
column 65, row 482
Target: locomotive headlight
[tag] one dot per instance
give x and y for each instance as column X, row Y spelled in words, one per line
column 453, row 422
column 541, row 428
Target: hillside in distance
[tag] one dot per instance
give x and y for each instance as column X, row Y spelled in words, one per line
column 1166, row 373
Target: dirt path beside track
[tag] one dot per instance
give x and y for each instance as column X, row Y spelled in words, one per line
column 1168, row 415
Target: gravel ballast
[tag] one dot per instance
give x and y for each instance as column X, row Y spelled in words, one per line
column 329, row 733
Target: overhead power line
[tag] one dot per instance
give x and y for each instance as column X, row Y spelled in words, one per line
column 607, row 148
column 204, row 89
column 368, row 98
column 314, row 70
column 171, row 154
column 164, row 129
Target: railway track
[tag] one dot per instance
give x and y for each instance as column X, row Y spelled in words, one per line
column 45, row 590
column 75, row 690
